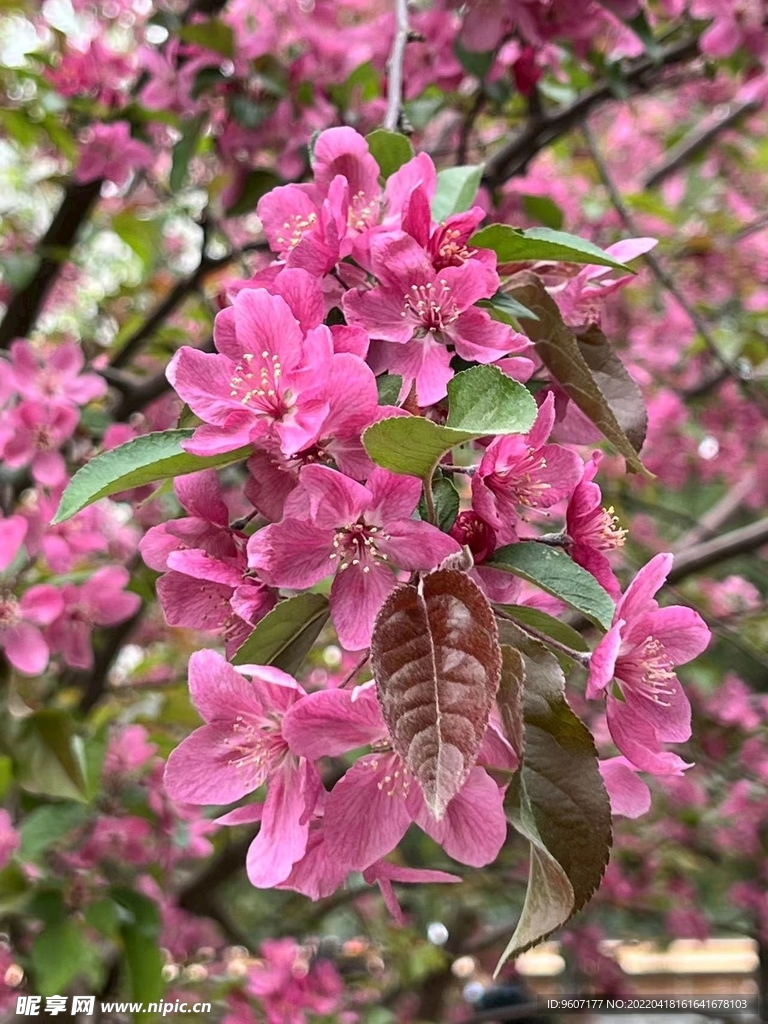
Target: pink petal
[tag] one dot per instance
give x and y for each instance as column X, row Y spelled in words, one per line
column 13, row 530
column 193, row 604
column 292, row 553
column 221, row 693
column 638, row 598
column 239, row 430
column 264, row 322
column 603, row 661
column 246, row 815
column 425, row 361
column 628, row 794
column 42, row 604
column 477, row 337
column 304, row 295
column 637, row 740
column 683, row 632
column 201, row 566
column 329, row 498
column 413, row 545
column 393, row 496
column 282, row 838
column 474, row 828
column 25, row 648
column 329, row 723
column 204, row 768
column 379, row 311
column 356, row 598
column 366, row 814
column 200, row 495
column 204, row 381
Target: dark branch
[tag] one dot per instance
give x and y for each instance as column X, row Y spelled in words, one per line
column 52, row 250
column 698, row 142
column 719, row 549
column 640, row 76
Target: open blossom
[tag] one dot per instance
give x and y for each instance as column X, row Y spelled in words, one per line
column 640, row 652
column 241, row 747
column 592, row 529
column 111, row 153
column 54, row 376
column 523, row 471
column 420, row 311
column 100, row 601
column 39, row 430
column 369, row 810
column 288, row 983
column 362, row 533
column 268, row 377
column 20, row 622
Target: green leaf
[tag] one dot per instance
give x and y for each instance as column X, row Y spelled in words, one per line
column 104, row 916
column 481, row 401
column 514, row 245
column 456, row 190
column 48, row 824
column 556, row 573
column 509, row 698
column 557, row 801
column 185, row 148
column 571, row 363
column 257, row 183
column 143, row 460
column 548, row 624
column 212, row 34
column 543, row 209
column 509, row 309
column 48, row 755
column 388, row 385
column 143, row 236
column 61, row 953
column 6, row 774
column 390, row 150
column 284, row 637
column 477, row 63
column 446, row 500
column 15, row 889
column 139, row 932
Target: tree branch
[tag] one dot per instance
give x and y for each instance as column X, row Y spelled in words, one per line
column 52, row 250
column 641, row 75
column 394, row 112
column 719, row 549
column 663, row 277
column 698, row 141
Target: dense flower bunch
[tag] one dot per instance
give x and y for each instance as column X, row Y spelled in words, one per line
column 302, row 393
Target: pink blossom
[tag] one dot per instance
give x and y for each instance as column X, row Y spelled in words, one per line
column 241, row 747
column 268, row 377
column 474, row 532
column 9, row 838
column 369, row 810
column 20, row 619
column 648, row 706
column 13, row 530
column 628, row 794
column 287, row 982
column 128, row 751
column 580, row 298
column 592, row 529
column 522, row 471
column 362, row 533
column 39, row 430
column 111, row 153
column 54, row 376
column 100, row 601
column 384, row 873
column 420, row 311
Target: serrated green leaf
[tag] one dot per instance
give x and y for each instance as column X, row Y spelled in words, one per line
column 584, row 369
column 446, row 501
column 390, row 150
column 48, row 755
column 556, row 573
column 48, row 824
column 557, row 800
column 285, row 635
column 560, row 631
column 61, row 953
column 185, row 148
column 456, row 190
column 481, row 401
column 143, row 460
column 543, row 209
column 388, row 386
column 514, row 245
column 212, row 34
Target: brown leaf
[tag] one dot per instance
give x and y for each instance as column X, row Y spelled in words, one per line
column 510, row 699
column 571, row 365
column 611, row 376
column 436, row 660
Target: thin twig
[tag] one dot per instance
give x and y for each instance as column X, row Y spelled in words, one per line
column 716, row 517
column 698, row 141
column 581, row 657
column 663, row 277
column 395, row 68
column 354, row 670
column 719, row 549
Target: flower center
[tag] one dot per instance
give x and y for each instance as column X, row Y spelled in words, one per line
column 293, row 230
column 260, row 387
column 522, row 481
column 448, row 250
column 9, row 610
column 254, row 743
column 358, row 545
column 363, row 212
column 603, row 531
column 647, row 671
column 432, row 304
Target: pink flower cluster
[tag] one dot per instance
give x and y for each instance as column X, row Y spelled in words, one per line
column 298, row 394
